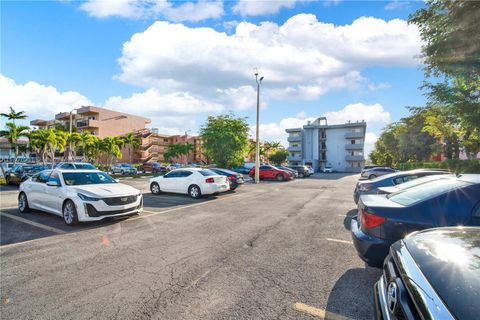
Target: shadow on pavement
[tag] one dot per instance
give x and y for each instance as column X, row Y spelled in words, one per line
column 352, row 295
column 331, row 176
column 348, row 218
column 16, row 227
column 10, row 187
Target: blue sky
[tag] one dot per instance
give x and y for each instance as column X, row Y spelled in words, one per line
column 178, row 62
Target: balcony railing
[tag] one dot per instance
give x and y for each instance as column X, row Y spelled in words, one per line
column 356, row 146
column 293, row 149
column 353, row 135
column 354, row 158
column 294, row 138
column 295, row 158
column 88, row 123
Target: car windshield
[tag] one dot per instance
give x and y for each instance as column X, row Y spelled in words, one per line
column 207, row 172
column 125, row 165
column 424, row 191
column 82, row 178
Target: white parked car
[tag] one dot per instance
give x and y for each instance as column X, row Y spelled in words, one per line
column 192, row 181
column 327, row 169
column 79, row 195
column 310, row 170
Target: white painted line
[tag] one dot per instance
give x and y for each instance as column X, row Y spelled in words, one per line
column 32, row 223
column 317, row 312
column 338, row 240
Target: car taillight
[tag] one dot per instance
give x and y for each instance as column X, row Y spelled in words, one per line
column 209, row 180
column 365, row 187
column 231, row 177
column 369, row 220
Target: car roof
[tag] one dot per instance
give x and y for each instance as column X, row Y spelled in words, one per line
column 76, row 170
column 471, row 177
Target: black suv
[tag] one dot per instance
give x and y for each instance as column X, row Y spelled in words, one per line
column 303, row 171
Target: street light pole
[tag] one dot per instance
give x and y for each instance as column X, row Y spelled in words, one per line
column 257, row 133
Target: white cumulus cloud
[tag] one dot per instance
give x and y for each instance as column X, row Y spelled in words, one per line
column 142, row 9
column 302, row 59
column 37, row 100
column 372, row 114
column 256, row 8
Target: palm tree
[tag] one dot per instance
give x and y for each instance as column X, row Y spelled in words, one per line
column 133, row 142
column 270, row 147
column 186, row 149
column 13, row 133
column 73, row 140
column 55, row 139
column 13, row 115
column 111, row 146
column 177, row 150
column 38, row 143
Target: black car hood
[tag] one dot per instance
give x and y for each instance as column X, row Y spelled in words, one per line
column 450, row 260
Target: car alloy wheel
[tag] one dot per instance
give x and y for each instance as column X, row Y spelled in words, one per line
column 194, row 192
column 23, row 203
column 300, row 175
column 372, row 176
column 69, row 213
column 155, row 188
column 279, row 177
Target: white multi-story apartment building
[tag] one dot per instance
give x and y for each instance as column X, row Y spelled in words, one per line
column 318, row 144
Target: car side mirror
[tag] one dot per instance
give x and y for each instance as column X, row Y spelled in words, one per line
column 53, row 184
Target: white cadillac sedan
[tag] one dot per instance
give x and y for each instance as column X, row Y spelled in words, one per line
column 79, row 195
column 192, row 181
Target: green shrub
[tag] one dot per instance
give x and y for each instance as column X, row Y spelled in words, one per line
column 457, row 166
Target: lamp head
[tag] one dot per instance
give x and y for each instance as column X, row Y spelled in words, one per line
column 261, row 78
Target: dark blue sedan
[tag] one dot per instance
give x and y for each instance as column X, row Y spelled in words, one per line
column 384, row 219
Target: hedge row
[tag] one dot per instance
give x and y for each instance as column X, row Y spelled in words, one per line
column 458, row 166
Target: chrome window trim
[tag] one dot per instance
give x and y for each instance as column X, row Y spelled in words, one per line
column 428, row 303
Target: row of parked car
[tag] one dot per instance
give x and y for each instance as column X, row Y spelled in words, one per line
column 423, row 227
column 81, row 193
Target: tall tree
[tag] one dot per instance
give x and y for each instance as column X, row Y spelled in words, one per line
column 178, row 150
column 74, row 139
column 13, row 133
column 279, row 156
column 225, row 139
column 132, row 142
column 14, row 115
column 88, row 143
column 451, row 53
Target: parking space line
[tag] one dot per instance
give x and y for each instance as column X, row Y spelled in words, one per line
column 317, row 312
column 32, row 223
column 338, row 240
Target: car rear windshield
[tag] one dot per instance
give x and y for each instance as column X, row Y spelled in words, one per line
column 207, row 172
column 85, row 166
column 82, row 178
column 33, row 168
column 426, row 190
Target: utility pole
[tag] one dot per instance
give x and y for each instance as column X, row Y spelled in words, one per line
column 257, row 134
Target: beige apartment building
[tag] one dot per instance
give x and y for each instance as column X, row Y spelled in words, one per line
column 100, row 121
column 104, row 123
column 154, row 145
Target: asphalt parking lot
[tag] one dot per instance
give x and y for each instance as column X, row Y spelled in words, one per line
column 269, row 251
